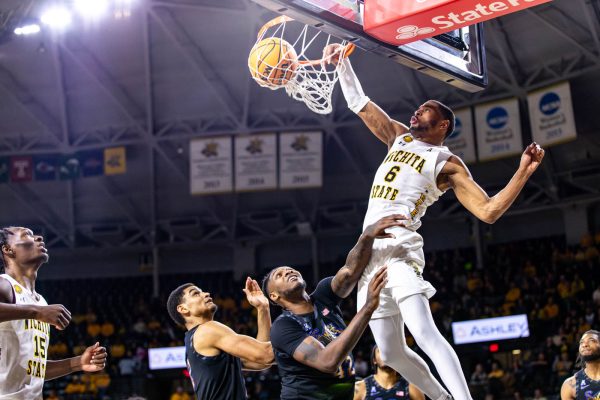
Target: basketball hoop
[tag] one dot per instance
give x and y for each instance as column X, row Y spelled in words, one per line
column 286, row 58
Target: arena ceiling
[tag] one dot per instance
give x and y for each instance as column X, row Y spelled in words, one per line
column 176, row 70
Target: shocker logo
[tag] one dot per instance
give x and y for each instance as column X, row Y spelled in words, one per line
column 411, row 31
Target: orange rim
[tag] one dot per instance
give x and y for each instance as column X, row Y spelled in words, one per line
column 348, row 50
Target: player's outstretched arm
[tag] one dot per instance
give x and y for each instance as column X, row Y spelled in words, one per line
column 93, row 359
column 55, row 314
column 567, row 391
column 377, row 120
column 347, row 277
column 214, row 335
column 258, row 300
column 475, row 199
column 328, row 358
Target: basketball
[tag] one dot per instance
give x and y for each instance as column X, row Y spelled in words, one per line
column 273, row 61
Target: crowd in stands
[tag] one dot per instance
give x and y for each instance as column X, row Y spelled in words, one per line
column 557, row 286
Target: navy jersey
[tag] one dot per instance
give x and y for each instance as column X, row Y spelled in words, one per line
column 376, row 392
column 586, row 388
column 299, row 381
column 216, row 377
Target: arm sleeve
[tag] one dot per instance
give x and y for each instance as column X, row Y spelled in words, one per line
column 351, row 88
column 286, row 335
column 324, row 294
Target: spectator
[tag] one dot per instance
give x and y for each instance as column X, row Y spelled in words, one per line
column 75, row 386
column 479, row 382
column 93, row 329
column 562, row 368
column 495, row 376
column 107, row 329
column 180, row 394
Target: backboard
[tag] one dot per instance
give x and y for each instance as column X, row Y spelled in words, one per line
column 457, row 57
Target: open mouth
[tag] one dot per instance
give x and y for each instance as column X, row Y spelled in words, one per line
column 292, row 278
column 413, row 120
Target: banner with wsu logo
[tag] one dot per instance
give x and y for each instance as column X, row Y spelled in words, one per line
column 300, row 160
column 256, row 162
column 498, row 129
column 211, row 169
column 551, row 114
column 462, row 141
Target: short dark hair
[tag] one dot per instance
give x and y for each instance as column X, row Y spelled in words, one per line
column 174, row 300
column 265, row 285
column 579, row 361
column 4, row 233
column 448, row 114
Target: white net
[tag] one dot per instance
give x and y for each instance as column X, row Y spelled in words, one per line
column 291, row 57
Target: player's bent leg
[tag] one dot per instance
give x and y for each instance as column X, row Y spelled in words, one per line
column 419, row 321
column 389, row 336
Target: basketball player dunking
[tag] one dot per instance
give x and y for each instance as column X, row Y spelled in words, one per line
column 385, row 384
column 585, row 384
column 25, row 320
column 417, row 170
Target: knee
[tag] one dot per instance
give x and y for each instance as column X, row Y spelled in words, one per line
column 394, row 356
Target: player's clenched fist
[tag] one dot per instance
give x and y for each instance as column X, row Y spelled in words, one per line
column 55, row 314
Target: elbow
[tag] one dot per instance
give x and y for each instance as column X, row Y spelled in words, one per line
column 267, row 357
column 328, row 367
column 491, row 215
column 489, row 218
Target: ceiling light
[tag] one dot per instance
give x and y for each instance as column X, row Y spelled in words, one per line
column 57, row 17
column 91, row 8
column 28, row 29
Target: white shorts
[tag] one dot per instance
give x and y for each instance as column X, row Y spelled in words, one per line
column 405, row 260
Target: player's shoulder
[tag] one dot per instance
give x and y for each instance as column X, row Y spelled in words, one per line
column 567, row 391
column 286, row 320
column 6, row 291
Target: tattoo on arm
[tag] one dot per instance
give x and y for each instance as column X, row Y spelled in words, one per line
column 310, row 352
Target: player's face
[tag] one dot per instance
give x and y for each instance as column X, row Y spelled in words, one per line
column 589, row 347
column 197, row 303
column 285, row 281
column 26, row 248
column 426, row 118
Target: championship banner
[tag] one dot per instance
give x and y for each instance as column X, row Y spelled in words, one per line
column 256, row 162
column 300, row 160
column 115, row 161
column 21, row 169
column 211, row 168
column 45, row 167
column 69, row 167
column 498, row 129
column 92, row 162
column 462, row 141
column 551, row 115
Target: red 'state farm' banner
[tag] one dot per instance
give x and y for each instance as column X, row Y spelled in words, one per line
column 400, row 22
